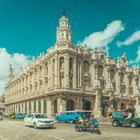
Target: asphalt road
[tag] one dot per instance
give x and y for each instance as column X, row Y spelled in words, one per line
column 15, row 130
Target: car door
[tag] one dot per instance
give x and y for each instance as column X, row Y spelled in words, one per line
column 26, row 119
column 31, row 119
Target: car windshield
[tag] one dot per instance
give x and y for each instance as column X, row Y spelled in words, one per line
column 40, row 116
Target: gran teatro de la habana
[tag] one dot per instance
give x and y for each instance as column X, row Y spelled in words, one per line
column 70, row 77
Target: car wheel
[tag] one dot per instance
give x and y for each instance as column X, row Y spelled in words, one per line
column 133, row 124
column 71, row 122
column 98, row 131
column 115, row 123
column 34, row 125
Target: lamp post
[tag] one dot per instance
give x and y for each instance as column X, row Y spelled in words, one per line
column 97, row 87
column 111, row 102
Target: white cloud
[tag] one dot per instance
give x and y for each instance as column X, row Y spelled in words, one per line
column 130, row 40
column 103, row 38
column 6, row 59
column 137, row 60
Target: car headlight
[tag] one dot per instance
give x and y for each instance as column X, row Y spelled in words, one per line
column 40, row 121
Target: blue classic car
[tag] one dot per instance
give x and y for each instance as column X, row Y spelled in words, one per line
column 71, row 116
column 20, row 115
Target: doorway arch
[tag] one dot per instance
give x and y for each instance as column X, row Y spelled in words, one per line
column 55, row 106
column 86, row 105
column 70, row 105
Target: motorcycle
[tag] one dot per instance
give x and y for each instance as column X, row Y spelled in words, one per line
column 88, row 126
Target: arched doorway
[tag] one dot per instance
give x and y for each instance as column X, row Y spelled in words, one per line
column 70, row 105
column 86, row 105
column 55, row 106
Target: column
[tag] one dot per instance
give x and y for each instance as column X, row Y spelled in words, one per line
column 74, row 72
column 32, row 106
column 127, row 84
column 23, row 107
column 49, row 108
column 56, row 71
column 61, row 105
column 94, row 76
column 27, row 107
column 36, row 105
column 49, row 74
column 98, row 108
column 42, row 106
column 66, row 71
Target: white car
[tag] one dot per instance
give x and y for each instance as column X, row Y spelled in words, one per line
column 38, row 120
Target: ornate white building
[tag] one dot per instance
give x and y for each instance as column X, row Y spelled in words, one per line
column 71, row 77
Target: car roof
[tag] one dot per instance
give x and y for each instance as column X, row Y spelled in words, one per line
column 79, row 111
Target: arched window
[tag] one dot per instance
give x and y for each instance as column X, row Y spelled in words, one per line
column 71, row 64
column 62, row 63
column 26, row 108
column 70, row 105
column 34, row 106
column 100, row 71
column 112, row 74
column 122, row 77
column 46, row 68
column 86, row 105
column 55, row 106
column 86, row 67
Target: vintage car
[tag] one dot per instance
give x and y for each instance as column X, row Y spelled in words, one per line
column 71, row 116
column 20, row 115
column 118, row 120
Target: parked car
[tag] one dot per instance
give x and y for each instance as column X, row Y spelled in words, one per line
column 12, row 115
column 20, row 115
column 118, row 120
column 38, row 120
column 72, row 116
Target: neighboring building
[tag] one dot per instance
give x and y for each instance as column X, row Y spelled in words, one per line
column 2, row 101
column 71, row 77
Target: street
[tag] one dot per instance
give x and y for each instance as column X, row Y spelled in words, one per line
column 15, row 130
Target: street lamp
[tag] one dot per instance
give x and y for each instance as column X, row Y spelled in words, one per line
column 110, row 89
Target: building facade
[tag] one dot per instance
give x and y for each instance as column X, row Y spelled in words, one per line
column 70, row 77
column 2, row 101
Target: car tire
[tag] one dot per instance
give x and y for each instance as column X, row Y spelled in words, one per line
column 34, row 125
column 98, row 131
column 72, row 122
column 115, row 123
column 133, row 124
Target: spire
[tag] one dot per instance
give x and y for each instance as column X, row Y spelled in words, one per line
column 63, row 32
column 10, row 75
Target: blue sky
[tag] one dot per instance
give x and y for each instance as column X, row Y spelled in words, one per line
column 28, row 27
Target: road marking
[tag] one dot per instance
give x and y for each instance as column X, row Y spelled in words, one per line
column 51, row 136
column 2, row 138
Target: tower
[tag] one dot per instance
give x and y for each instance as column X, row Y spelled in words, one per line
column 63, row 33
column 10, row 75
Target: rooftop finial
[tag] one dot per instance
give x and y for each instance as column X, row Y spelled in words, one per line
column 64, row 12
